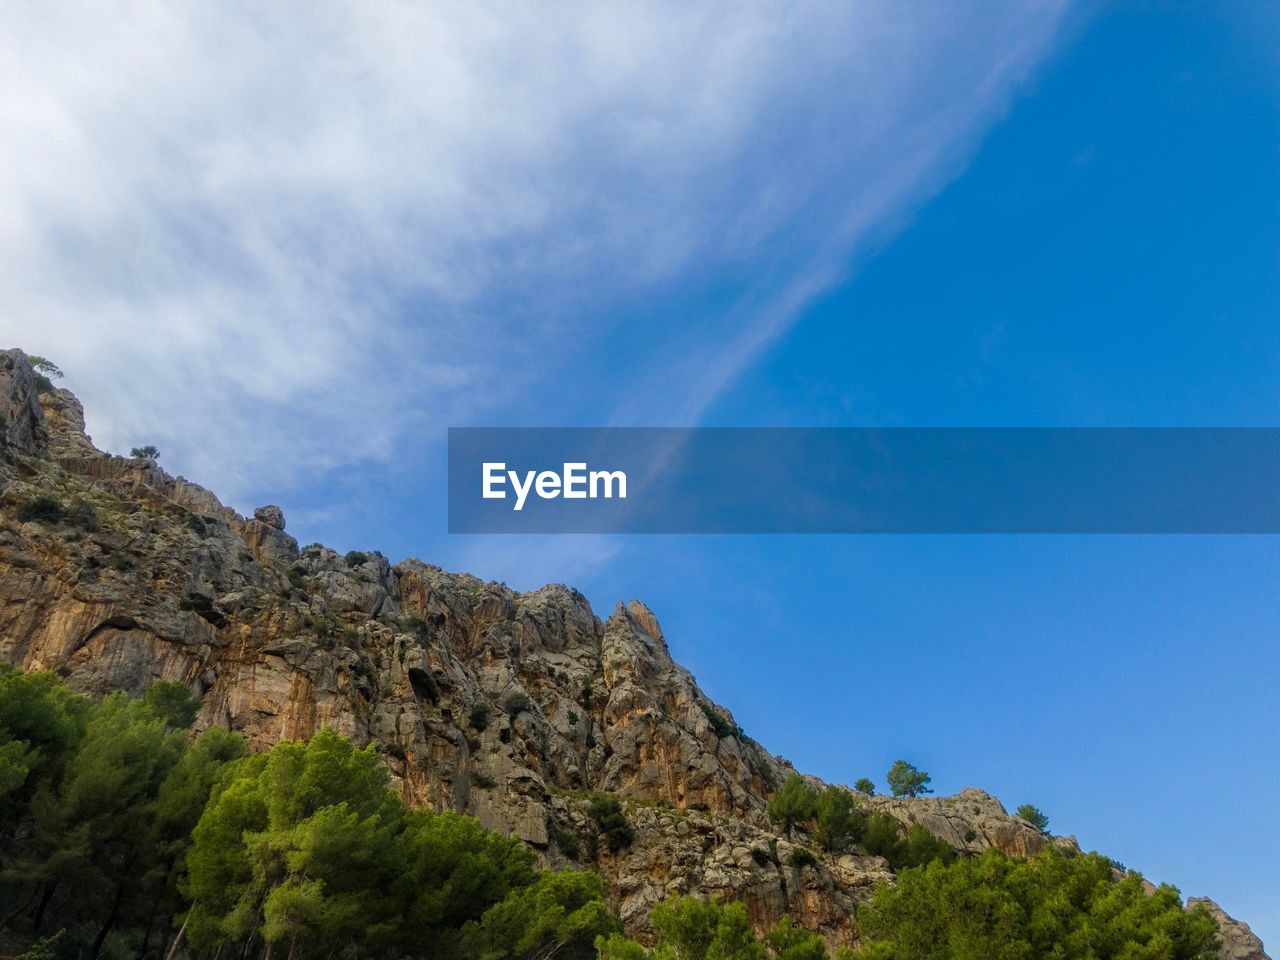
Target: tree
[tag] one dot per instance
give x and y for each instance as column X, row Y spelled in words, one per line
column 148, row 452
column 559, row 915
column 686, row 928
column 455, row 870
column 613, row 823
column 299, row 846
column 43, row 366
column 865, row 785
column 1034, row 816
column 93, row 841
column 997, row 908
column 907, row 781
column 172, row 701
column 179, row 804
column 795, row 802
column 840, row 822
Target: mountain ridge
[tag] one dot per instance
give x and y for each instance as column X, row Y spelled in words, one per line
column 513, row 707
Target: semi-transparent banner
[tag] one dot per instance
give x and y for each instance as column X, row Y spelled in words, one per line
column 908, row 480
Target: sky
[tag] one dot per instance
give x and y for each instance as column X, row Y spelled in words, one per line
column 291, row 246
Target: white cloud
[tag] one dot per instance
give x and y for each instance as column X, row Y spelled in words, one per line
column 275, row 239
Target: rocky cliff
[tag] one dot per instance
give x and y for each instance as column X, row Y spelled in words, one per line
column 513, row 707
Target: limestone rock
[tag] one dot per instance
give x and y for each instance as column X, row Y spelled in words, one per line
column 1238, row 941
column 271, row 515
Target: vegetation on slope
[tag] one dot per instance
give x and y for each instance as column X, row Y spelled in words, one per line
column 123, row 835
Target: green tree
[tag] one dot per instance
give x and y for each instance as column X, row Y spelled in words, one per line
column 559, row 915
column 613, row 823
column 174, row 702
column 299, row 846
column 907, row 781
column 41, row 723
column 454, row 871
column 795, row 802
column 1034, row 816
column 149, row 452
column 93, row 841
column 686, row 927
column 865, row 785
column 789, row 941
column 996, row 908
column 840, row 822
column 181, row 801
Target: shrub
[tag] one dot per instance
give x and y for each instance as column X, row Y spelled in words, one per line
column 761, row 856
column 478, row 719
column 573, row 719
column 865, row 785
column 905, row 780
column 883, row 837
column 566, row 839
column 801, row 858
column 482, row 780
column 796, row 802
column 40, row 510
column 613, row 823
column 149, row 452
column 517, row 702
column 356, row 558
column 1034, row 816
column 722, row 727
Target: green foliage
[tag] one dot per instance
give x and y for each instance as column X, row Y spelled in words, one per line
column 148, row 452
column 686, row 928
column 566, row 839
column 478, row 719
column 558, row 915
column 356, row 558
column 722, row 727
column 883, row 836
column 996, row 908
column 801, row 858
column 174, row 702
column 865, row 785
column 907, row 781
column 840, row 822
column 613, row 823
column 116, row 826
column 1034, row 816
column 796, row 802
column 517, row 702
column 46, row 372
column 42, row 509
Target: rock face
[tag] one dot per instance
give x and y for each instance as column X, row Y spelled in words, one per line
column 511, row 707
column 1238, row 941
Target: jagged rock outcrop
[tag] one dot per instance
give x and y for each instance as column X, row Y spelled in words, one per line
column 513, row 707
column 1238, row 941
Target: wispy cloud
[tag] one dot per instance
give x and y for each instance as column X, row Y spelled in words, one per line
column 281, row 239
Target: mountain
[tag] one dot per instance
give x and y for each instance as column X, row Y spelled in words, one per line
column 516, row 708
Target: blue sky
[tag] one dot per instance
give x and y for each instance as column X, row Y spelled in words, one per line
column 292, row 252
